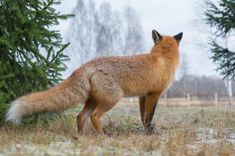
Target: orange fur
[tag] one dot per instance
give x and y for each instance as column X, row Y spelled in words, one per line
column 102, row 82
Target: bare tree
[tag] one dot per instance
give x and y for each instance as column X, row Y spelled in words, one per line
column 108, row 31
column 184, row 65
column 134, row 41
column 228, row 85
column 81, row 32
column 184, row 69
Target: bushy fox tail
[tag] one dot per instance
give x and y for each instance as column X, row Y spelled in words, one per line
column 64, row 95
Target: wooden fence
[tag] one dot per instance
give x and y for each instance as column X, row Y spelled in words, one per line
column 188, row 101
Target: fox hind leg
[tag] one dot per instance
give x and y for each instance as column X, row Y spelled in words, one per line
column 96, row 115
column 104, row 104
column 84, row 114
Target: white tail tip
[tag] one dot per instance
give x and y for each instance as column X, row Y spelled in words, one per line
column 13, row 114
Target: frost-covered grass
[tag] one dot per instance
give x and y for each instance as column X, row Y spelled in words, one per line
column 179, row 131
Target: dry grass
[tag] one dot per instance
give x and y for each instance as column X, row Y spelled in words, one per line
column 193, row 131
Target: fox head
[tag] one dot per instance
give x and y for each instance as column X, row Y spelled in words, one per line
column 166, row 47
column 165, row 44
column 157, row 37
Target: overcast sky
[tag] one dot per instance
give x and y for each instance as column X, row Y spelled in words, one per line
column 167, row 17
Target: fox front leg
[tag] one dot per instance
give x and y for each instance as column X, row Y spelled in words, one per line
column 142, row 100
column 149, row 109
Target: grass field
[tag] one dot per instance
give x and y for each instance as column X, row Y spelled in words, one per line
column 179, row 131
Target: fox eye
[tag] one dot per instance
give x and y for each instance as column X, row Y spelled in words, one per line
column 156, row 37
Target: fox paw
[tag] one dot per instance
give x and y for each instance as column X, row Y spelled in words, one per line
column 107, row 132
column 149, row 130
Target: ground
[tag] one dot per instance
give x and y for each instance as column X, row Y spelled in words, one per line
column 179, row 131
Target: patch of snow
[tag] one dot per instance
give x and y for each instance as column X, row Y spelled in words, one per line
column 210, row 136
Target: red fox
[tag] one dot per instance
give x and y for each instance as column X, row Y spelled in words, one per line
column 102, row 82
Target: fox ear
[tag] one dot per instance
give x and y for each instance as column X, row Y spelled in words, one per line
column 156, row 37
column 178, row 37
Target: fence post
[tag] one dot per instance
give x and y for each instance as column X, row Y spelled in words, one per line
column 189, row 99
column 216, row 100
column 166, row 99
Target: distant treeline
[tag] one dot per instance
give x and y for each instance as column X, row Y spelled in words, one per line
column 198, row 86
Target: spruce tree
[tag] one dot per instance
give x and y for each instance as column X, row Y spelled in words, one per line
column 221, row 17
column 31, row 53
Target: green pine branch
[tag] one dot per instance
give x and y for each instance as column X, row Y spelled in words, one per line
column 221, row 16
column 32, row 54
